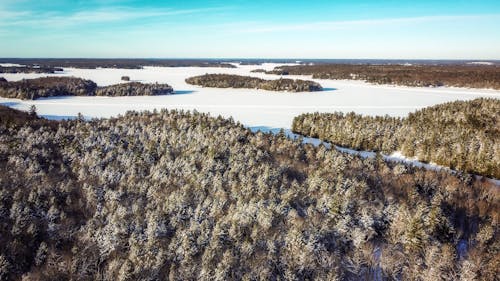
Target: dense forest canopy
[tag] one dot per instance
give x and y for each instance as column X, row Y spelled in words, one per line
column 471, row 76
column 71, row 86
column 463, row 135
column 186, row 196
column 238, row 81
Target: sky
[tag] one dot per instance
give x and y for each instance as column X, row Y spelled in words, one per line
column 329, row 29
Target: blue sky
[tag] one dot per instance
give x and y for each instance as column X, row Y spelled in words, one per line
column 250, row 29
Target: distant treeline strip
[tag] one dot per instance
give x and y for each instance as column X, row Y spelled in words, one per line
column 471, row 76
column 29, row 69
column 463, row 135
column 117, row 63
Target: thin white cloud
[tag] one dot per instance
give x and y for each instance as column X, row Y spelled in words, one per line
column 338, row 25
column 127, row 14
column 32, row 19
column 8, row 15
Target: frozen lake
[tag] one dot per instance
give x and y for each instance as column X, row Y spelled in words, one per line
column 253, row 108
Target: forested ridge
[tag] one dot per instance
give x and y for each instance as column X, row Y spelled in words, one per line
column 238, row 81
column 185, row 196
column 469, row 76
column 72, row 86
column 463, row 135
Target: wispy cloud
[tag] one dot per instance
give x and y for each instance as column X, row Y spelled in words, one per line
column 107, row 15
column 339, row 25
column 121, row 14
column 8, row 15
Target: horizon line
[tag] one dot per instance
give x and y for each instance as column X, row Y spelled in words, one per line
column 250, row 58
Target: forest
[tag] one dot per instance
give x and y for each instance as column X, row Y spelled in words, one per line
column 469, row 76
column 462, row 135
column 115, row 63
column 238, row 81
column 185, row 196
column 29, row 69
column 31, row 89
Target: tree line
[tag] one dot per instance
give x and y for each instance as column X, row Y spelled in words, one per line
column 29, row 69
column 470, row 76
column 116, row 63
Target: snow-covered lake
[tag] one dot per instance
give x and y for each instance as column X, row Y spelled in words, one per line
column 253, row 108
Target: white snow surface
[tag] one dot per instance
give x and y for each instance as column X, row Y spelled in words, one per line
column 253, row 108
column 11, row 65
column 481, row 63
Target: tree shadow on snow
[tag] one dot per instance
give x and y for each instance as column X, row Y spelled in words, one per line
column 62, row 117
column 9, row 104
column 58, row 98
column 183, row 92
column 329, row 89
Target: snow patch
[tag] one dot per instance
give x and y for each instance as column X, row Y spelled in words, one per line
column 12, row 65
column 481, row 63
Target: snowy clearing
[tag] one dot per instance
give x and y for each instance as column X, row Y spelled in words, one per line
column 481, row 63
column 11, row 65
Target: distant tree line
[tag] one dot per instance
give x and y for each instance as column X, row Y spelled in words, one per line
column 185, row 196
column 471, row 76
column 250, row 62
column 463, row 135
column 237, row 81
column 28, row 69
column 118, row 63
column 71, row 86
